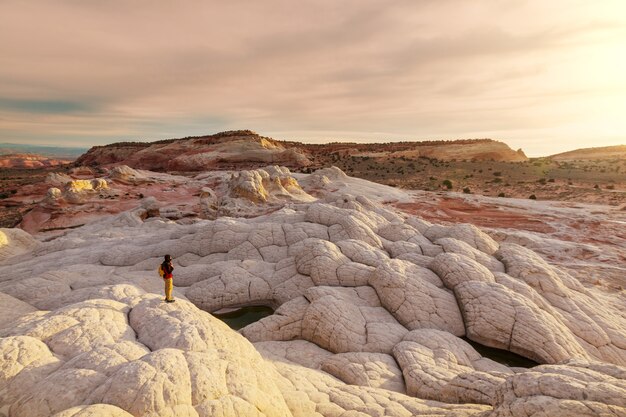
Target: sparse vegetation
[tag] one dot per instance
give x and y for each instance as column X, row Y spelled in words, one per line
column 533, row 197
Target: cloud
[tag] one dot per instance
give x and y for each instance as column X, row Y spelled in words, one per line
column 409, row 69
column 44, row 106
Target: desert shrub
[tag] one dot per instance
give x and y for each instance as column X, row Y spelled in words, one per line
column 608, row 187
column 497, row 180
column 466, row 190
column 15, row 191
column 597, row 187
column 3, row 196
column 541, row 180
column 501, row 195
column 432, row 178
column 497, row 173
column 533, row 197
column 447, row 184
column 551, row 180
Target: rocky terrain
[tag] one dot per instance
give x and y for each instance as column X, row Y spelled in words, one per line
column 234, row 149
column 599, row 181
column 469, row 149
column 243, row 149
column 27, row 161
column 382, row 300
column 477, row 166
column 593, row 154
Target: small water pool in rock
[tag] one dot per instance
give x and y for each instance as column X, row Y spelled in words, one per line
column 241, row 317
column 502, row 356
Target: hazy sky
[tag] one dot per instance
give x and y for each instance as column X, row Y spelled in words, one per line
column 546, row 76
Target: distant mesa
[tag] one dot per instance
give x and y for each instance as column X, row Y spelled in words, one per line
column 592, row 154
column 240, row 149
column 29, row 161
column 245, row 149
column 53, row 152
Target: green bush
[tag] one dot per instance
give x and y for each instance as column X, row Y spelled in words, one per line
column 447, row 184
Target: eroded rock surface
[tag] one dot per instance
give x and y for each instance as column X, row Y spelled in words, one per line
column 369, row 307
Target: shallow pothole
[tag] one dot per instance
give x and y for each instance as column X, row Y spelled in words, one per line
column 241, row 317
column 502, row 356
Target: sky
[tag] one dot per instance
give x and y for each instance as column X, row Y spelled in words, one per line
column 544, row 76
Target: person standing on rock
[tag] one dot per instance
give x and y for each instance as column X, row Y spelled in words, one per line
column 165, row 270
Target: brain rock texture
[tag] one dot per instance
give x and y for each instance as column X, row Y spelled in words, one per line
column 373, row 315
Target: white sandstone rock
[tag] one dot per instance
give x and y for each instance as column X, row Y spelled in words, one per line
column 110, row 346
column 467, row 233
column 94, row 410
column 451, row 245
column 58, row 179
column 440, row 366
column 571, row 389
column 53, row 194
column 127, row 175
column 410, row 295
column 377, row 370
column 14, row 242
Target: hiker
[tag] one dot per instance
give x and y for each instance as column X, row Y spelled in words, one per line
column 165, row 270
